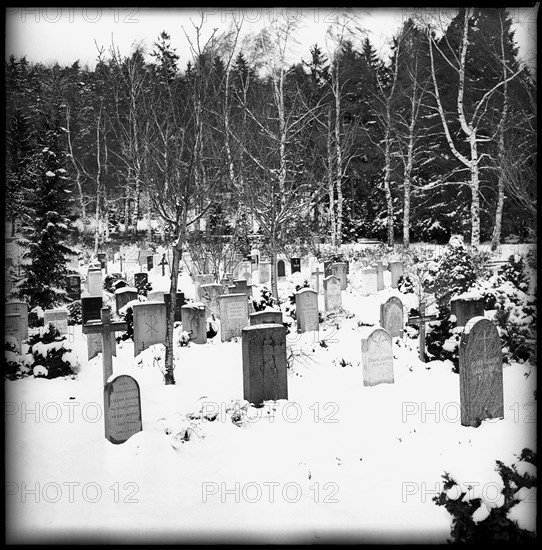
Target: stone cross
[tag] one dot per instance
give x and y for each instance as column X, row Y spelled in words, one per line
column 317, row 273
column 163, row 263
column 107, row 329
column 421, row 320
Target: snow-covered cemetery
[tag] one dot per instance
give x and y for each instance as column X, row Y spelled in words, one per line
column 261, row 294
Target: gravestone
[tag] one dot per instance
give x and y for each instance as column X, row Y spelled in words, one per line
column 73, row 287
column 91, row 307
column 13, row 329
column 199, row 280
column 194, row 322
column 122, row 409
column 377, row 357
column 150, row 263
column 396, row 270
column 317, row 281
column 143, row 255
column 141, row 280
column 281, row 268
column 124, row 295
column 102, row 258
column 94, row 282
column 243, row 270
column 338, row 269
column 21, row 309
column 480, row 372
column 266, row 317
column 241, row 287
column 233, row 315
column 58, row 317
column 209, row 296
column 149, row 325
column 179, row 303
column 465, row 309
column 332, row 293
column 295, row 265
column 94, row 345
column 369, row 282
column 156, row 296
column 391, row 317
column 264, row 363
column 264, row 269
column 379, row 266
column 306, row 310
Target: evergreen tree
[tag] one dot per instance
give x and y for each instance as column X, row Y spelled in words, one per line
column 44, row 237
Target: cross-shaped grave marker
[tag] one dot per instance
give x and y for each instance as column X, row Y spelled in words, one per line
column 105, row 328
column 163, row 263
column 317, row 273
column 421, row 320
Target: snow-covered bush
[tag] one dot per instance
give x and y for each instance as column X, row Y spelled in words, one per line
column 507, row 518
column 35, row 317
column 129, row 320
column 75, row 313
column 514, row 271
column 265, row 300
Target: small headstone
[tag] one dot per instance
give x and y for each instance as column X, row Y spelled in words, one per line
column 306, row 303
column 122, row 409
column 13, row 329
column 266, row 317
column 396, row 269
column 209, row 296
column 391, row 317
column 295, row 264
column 379, row 266
column 156, row 296
column 195, row 322
column 124, row 295
column 21, row 309
column 179, row 303
column 58, row 317
column 91, row 307
column 465, row 309
column 199, row 280
column 94, row 345
column 369, row 282
column 73, row 287
column 233, row 315
column 332, row 293
column 480, row 372
column 264, row 363
column 377, row 357
column 94, row 282
column 149, row 325
column 338, row 269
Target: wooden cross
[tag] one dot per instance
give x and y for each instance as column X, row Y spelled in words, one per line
column 163, row 263
column 107, row 329
column 317, row 273
column 421, row 320
column 121, row 257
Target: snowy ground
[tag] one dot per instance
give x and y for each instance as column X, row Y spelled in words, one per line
column 336, row 462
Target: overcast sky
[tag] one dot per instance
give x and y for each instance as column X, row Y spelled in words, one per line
column 69, row 34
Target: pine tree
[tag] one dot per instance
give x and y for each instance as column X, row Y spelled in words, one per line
column 44, row 237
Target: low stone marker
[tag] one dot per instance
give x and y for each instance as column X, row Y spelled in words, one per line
column 480, row 372
column 264, row 363
column 149, row 325
column 377, row 357
column 21, row 309
column 194, row 322
column 124, row 295
column 209, row 296
column 391, row 317
column 306, row 310
column 233, row 315
column 465, row 308
column 266, row 317
column 332, row 293
column 242, row 287
column 369, row 281
column 156, row 296
column 58, row 317
column 122, row 409
column 396, row 270
column 94, row 282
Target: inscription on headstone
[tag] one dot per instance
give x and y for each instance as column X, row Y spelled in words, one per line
column 377, row 357
column 122, row 409
column 233, row 315
column 149, row 325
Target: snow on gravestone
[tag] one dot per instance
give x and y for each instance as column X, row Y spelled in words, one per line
column 306, row 310
column 122, row 407
column 369, row 281
column 266, row 317
column 480, row 372
column 199, row 280
column 233, row 315
column 338, row 269
column 391, row 317
column 194, row 322
column 377, row 357
column 94, row 282
column 21, row 309
column 264, row 363
column 124, row 295
column 209, row 296
column 149, row 325
column 332, row 293
column 57, row 317
column 465, row 307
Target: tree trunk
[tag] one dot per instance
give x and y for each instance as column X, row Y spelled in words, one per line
column 387, row 190
column 475, row 189
column 338, row 161
column 331, row 183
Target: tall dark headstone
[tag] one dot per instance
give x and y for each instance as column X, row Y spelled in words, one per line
column 179, row 303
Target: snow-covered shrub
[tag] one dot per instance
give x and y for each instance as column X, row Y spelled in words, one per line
column 405, row 284
column 265, row 300
column 507, row 518
column 48, row 350
column 75, row 313
column 514, row 271
column 129, row 320
column 35, row 317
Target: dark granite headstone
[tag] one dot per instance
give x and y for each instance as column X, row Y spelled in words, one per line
column 91, row 308
column 295, row 264
column 464, row 310
column 73, row 287
column 179, row 303
column 122, row 409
